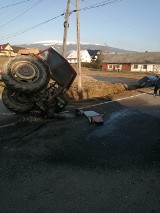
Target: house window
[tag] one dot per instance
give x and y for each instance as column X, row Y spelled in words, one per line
column 110, row 66
column 145, row 66
column 135, row 66
column 117, row 66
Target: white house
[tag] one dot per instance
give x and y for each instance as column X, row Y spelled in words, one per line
column 85, row 57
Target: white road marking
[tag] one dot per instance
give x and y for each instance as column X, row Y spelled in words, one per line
column 108, row 102
column 8, row 113
column 12, row 124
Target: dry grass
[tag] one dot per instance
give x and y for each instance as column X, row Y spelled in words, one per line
column 2, row 61
column 92, row 88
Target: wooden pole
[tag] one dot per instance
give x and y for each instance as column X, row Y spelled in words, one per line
column 78, row 47
column 66, row 25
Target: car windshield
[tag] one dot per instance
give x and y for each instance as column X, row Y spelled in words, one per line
column 153, row 77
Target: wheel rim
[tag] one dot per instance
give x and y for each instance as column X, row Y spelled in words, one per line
column 24, row 71
column 18, row 98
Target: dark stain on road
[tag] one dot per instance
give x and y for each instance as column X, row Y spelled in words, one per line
column 63, row 165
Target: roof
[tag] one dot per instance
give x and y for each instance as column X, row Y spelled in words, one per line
column 73, row 54
column 93, row 53
column 19, row 50
column 139, row 58
column 16, row 48
column 24, row 51
column 3, row 46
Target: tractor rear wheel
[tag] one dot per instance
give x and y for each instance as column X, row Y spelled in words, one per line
column 16, row 102
column 25, row 74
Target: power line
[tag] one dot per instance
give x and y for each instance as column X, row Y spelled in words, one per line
column 95, row 5
column 122, row 22
column 29, row 28
column 100, row 4
column 10, row 5
column 37, row 25
column 21, row 14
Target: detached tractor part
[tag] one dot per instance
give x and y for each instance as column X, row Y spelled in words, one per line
column 27, row 83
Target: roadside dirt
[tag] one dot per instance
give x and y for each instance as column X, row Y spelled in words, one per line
column 92, row 88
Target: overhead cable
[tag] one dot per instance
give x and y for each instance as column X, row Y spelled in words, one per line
column 29, row 28
column 37, row 25
column 10, row 5
column 20, row 14
column 100, row 4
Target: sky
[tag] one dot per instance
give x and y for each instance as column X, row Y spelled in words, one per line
column 125, row 24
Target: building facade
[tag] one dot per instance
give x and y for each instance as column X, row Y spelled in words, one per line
column 6, row 50
column 86, row 56
column 134, row 62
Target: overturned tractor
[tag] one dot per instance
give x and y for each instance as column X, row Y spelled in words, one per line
column 37, row 82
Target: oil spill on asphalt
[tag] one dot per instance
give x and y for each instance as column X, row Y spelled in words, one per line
column 111, row 124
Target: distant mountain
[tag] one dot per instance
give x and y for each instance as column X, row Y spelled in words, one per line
column 41, row 45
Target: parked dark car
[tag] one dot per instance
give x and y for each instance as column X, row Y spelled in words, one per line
column 147, row 81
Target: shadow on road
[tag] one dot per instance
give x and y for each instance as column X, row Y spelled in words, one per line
column 126, row 139
column 46, row 163
column 144, row 92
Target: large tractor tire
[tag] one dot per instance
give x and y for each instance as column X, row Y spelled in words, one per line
column 16, row 102
column 25, row 74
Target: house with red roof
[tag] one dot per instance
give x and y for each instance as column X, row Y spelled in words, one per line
column 134, row 62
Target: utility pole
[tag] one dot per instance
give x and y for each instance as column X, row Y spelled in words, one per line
column 66, row 25
column 78, row 47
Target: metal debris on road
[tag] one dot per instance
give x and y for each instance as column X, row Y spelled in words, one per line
column 91, row 115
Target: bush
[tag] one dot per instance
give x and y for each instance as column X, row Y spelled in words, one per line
column 94, row 64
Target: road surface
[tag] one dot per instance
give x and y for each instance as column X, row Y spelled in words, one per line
column 73, row 166
column 123, row 80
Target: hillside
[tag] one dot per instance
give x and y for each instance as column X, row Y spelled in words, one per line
column 73, row 46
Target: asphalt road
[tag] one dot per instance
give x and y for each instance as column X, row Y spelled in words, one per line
column 123, row 80
column 73, row 166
